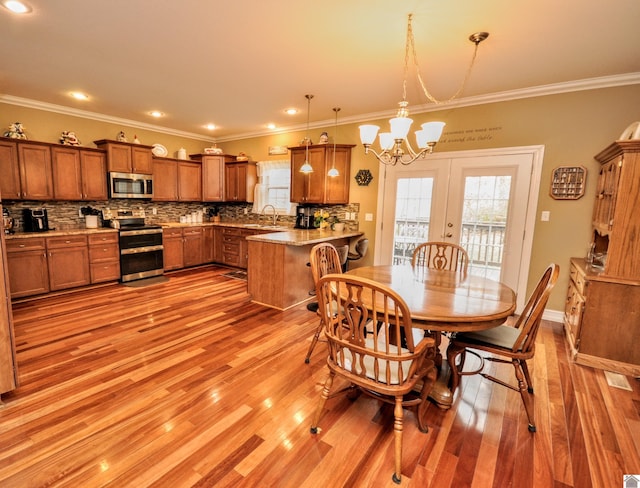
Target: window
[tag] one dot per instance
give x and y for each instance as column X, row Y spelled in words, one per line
column 274, row 187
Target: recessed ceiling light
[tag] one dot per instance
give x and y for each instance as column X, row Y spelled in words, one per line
column 79, row 95
column 156, row 113
column 271, row 126
column 291, row 111
column 210, row 126
column 16, row 7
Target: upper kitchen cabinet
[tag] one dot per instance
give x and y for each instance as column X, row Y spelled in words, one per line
column 213, row 169
column 34, row 170
column 10, row 188
column 189, row 181
column 317, row 186
column 177, row 180
column 240, row 180
column 78, row 174
column 165, row 180
column 125, row 157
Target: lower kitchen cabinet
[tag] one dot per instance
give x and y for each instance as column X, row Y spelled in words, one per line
column 41, row 264
column 173, row 253
column 193, row 239
column 209, row 244
column 104, row 257
column 68, row 260
column 27, row 266
column 232, row 247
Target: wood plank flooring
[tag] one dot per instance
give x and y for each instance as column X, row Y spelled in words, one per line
column 187, row 383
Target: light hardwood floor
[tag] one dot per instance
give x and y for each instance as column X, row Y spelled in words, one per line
column 188, row 383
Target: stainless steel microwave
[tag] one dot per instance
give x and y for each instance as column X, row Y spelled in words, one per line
column 130, row 185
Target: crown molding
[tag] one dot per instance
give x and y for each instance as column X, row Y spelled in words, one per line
column 532, row 92
column 85, row 114
column 536, row 91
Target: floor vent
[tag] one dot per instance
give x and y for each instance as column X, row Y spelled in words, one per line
column 617, row 380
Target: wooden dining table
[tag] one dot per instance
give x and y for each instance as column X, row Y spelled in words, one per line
column 445, row 301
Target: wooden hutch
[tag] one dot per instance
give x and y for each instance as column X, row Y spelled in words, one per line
column 602, row 313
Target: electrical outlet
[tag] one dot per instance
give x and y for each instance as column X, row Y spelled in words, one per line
column 154, row 211
column 545, row 215
column 246, row 210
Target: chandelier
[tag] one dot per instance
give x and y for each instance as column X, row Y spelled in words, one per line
column 391, row 143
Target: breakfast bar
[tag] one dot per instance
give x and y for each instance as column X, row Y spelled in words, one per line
column 277, row 271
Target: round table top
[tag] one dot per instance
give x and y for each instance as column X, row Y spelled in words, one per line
column 446, row 300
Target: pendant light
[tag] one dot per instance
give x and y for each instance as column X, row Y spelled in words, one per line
column 334, row 171
column 306, row 167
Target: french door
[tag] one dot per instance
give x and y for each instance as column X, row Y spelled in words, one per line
column 482, row 200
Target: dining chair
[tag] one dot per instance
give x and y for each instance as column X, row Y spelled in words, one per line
column 324, row 258
column 359, row 251
column 440, row 255
column 362, row 321
column 516, row 343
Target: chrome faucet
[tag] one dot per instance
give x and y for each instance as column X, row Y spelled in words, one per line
column 275, row 213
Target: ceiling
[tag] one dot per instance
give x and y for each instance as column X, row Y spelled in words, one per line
column 240, row 64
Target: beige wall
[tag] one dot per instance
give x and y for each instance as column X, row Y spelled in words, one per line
column 572, row 127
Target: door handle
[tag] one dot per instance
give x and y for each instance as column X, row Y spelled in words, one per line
column 449, row 234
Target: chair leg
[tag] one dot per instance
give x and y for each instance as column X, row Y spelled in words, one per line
column 323, row 399
column 314, row 341
column 527, row 376
column 527, row 398
column 398, row 415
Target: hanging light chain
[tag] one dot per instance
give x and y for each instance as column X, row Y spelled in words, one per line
column 410, row 49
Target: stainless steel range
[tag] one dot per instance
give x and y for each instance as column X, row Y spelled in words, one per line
column 141, row 250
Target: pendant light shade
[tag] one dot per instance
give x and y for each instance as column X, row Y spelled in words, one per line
column 333, row 172
column 306, row 167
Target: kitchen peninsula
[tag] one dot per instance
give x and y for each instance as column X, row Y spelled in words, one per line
column 278, row 275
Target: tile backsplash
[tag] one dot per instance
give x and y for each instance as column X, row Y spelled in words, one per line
column 66, row 214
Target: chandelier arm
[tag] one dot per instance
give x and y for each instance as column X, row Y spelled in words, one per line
column 430, row 97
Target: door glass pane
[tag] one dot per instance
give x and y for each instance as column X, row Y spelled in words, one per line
column 413, row 214
column 484, row 222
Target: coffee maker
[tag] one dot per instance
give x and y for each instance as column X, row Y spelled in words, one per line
column 7, row 222
column 35, row 220
column 305, row 218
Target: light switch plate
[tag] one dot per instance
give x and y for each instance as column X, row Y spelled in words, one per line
column 545, row 215
column 368, row 217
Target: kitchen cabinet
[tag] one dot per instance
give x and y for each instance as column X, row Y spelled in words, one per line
column 165, row 180
column 78, row 174
column 601, row 317
column 210, row 253
column 34, row 160
column 68, row 262
column 10, row 188
column 27, row 266
column 126, row 157
column 173, row 253
column 213, row 174
column 189, row 181
column 8, row 363
column 193, row 239
column 317, row 187
column 104, row 257
column 232, row 248
column 240, row 181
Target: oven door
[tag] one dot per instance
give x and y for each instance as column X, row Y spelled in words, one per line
column 141, row 254
column 141, row 262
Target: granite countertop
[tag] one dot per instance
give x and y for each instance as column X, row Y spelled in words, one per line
column 60, row 232
column 303, row 237
column 279, row 234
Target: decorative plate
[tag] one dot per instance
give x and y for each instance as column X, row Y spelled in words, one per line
column 160, row 151
column 364, row 177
